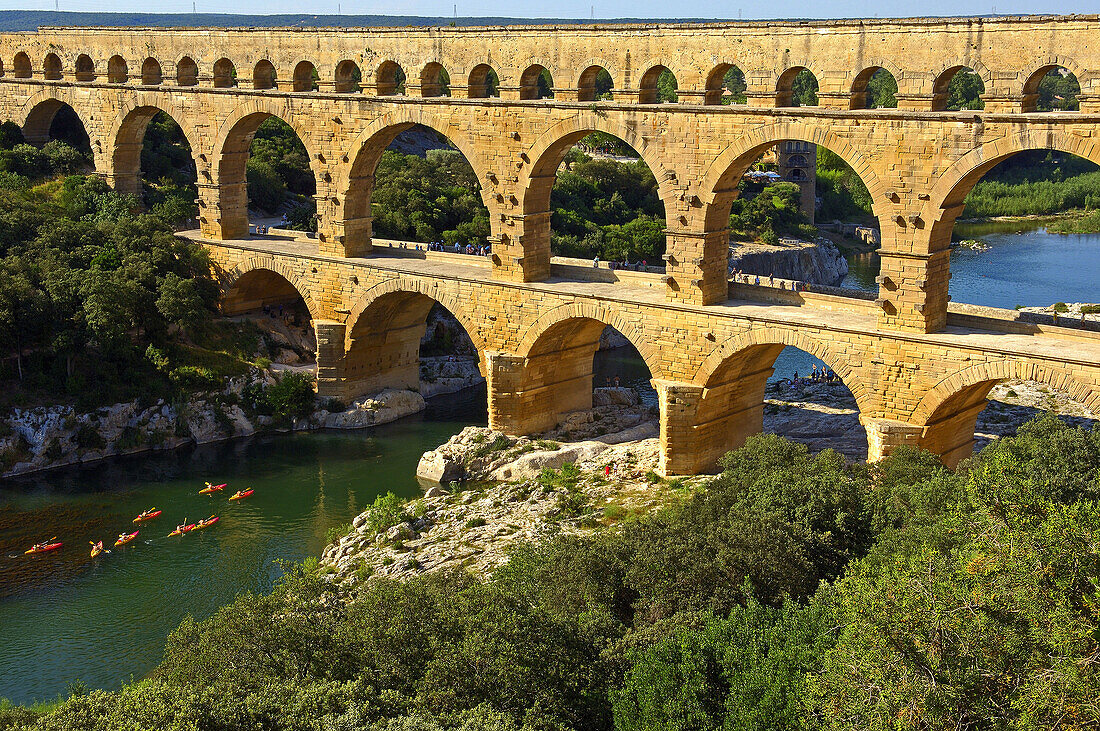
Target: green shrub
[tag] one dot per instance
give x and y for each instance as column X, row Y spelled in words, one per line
column 1061, row 307
column 88, row 437
column 194, row 378
column 336, row 532
column 385, row 512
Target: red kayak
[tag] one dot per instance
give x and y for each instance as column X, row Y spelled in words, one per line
column 181, row 529
column 125, row 538
column 206, row 523
column 147, row 515
column 242, row 494
column 212, row 488
column 45, row 547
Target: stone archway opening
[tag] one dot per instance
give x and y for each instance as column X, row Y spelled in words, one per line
column 85, row 68
column 225, row 74
column 412, row 188
column 408, row 341
column 1051, row 89
column 349, row 78
column 434, row 80
column 117, row 70
column 657, row 86
column 726, row 85
column 603, row 203
column 536, row 83
column 775, row 388
column 21, row 66
column 992, row 408
column 51, row 67
column 151, row 72
column 957, row 88
column 187, row 72
column 796, row 87
column 165, row 166
column 874, row 88
column 305, row 77
column 54, row 120
column 389, row 79
column 483, row 82
column 267, row 300
column 263, row 75
column 587, row 380
column 595, row 84
column 264, row 155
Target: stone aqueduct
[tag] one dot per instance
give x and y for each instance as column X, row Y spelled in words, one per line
column 919, row 367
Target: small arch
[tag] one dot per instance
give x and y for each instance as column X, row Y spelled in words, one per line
column 51, row 67
column 263, row 75
column 483, row 82
column 389, row 79
column 796, row 87
column 348, row 77
column 594, row 84
column 118, row 71
column 305, row 77
column 21, row 66
column 434, row 80
column 225, row 74
column 1051, row 88
column 658, row 86
column 536, row 83
column 1, row 67
column 150, row 72
column 958, row 87
column 187, row 72
column 725, row 85
column 85, row 68
column 874, row 88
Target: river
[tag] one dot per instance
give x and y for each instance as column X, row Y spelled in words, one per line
column 65, row 617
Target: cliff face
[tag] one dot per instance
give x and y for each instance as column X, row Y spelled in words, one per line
column 816, row 263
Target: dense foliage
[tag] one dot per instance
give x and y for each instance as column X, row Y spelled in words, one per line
column 795, row 592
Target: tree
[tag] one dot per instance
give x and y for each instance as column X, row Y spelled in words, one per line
column 881, row 88
column 804, row 89
column 734, row 83
column 965, row 90
column 666, row 87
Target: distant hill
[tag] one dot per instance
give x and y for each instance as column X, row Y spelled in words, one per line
column 23, row 20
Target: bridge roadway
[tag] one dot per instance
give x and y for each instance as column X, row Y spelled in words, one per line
column 709, row 363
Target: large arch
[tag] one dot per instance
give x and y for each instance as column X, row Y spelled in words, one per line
column 385, row 329
column 39, row 111
column 949, row 411
column 719, row 184
column 247, row 285
column 734, row 378
column 127, row 137
column 546, row 155
column 356, row 181
column 558, row 354
column 231, row 149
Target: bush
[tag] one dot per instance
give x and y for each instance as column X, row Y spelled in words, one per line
column 385, row 512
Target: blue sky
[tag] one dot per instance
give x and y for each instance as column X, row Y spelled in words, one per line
column 579, row 8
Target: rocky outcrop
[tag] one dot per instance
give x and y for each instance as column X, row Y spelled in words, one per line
column 382, row 408
column 819, row 262
column 445, row 374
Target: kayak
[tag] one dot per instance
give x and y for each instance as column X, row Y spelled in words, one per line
column 242, row 494
column 147, row 515
column 43, row 548
column 212, row 488
column 97, row 548
column 179, row 531
column 126, row 538
column 206, row 523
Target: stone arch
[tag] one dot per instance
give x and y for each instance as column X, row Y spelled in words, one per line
column 479, row 84
column 127, row 135
column 781, row 338
column 263, row 75
column 348, row 77
column 51, row 67
column 587, row 81
column 355, row 179
column 600, row 312
column 225, row 74
column 388, row 78
column 719, row 184
column 647, row 82
column 784, row 83
column 949, row 411
column 150, row 72
column 303, row 76
column 38, row 113
column 529, row 82
column 84, row 68
column 1029, row 93
column 21, row 66
column 385, row 328
column 941, row 78
column 432, row 80
column 264, row 263
column 231, row 150
column 187, row 72
column 859, row 97
column 715, row 82
column 118, row 71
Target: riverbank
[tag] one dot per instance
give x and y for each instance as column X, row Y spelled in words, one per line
column 817, row 262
